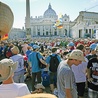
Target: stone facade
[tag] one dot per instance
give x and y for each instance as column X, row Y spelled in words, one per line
column 85, row 25
column 43, row 25
column 17, row 33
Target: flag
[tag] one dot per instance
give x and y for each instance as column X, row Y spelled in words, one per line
column 59, row 23
column 4, row 37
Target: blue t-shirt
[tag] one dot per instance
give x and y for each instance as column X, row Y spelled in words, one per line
column 28, row 52
column 34, row 61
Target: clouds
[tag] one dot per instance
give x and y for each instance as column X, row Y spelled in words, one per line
column 94, row 0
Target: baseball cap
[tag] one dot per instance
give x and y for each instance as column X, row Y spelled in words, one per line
column 93, row 46
column 96, row 49
column 36, row 47
column 7, row 68
column 71, row 44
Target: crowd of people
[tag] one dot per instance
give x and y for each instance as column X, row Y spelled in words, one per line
column 68, row 66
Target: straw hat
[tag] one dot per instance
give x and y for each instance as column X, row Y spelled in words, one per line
column 6, row 19
column 41, row 95
column 7, row 68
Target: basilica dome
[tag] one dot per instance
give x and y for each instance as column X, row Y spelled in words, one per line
column 49, row 13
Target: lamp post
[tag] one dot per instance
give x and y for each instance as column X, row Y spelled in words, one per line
column 43, row 30
column 50, row 31
column 69, row 30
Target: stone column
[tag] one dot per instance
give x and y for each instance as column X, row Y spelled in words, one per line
column 28, row 27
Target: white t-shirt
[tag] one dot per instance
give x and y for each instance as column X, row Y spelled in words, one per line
column 80, row 71
column 19, row 58
column 13, row 90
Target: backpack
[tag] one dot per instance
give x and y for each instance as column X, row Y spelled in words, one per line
column 45, row 78
column 41, row 65
column 54, row 62
column 8, row 54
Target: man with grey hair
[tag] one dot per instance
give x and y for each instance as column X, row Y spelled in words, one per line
column 9, row 89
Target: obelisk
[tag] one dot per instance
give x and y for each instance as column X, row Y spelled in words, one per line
column 28, row 27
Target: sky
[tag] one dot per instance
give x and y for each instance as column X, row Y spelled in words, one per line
column 38, row 7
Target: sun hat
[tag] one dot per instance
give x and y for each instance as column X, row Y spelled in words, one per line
column 40, row 95
column 76, row 54
column 6, row 19
column 39, row 85
column 7, row 68
column 15, row 50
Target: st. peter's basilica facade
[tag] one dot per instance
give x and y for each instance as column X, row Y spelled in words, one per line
column 85, row 24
